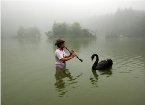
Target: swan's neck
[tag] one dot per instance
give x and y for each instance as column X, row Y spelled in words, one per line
column 95, row 63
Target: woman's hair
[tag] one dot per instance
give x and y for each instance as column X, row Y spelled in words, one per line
column 58, row 44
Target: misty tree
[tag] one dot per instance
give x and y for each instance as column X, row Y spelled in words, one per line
column 124, row 22
column 63, row 29
column 60, row 28
column 76, row 29
column 31, row 32
column 86, row 32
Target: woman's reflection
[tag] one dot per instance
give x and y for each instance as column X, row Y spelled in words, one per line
column 64, row 81
column 59, row 75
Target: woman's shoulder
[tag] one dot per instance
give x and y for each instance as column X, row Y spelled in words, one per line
column 58, row 51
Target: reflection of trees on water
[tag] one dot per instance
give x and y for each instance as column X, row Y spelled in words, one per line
column 28, row 36
column 65, row 81
column 94, row 80
column 125, row 46
column 74, row 43
column 33, row 41
column 29, row 43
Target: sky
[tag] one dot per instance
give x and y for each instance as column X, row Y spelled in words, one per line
column 42, row 13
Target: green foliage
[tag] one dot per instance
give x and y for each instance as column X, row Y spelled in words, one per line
column 60, row 28
column 63, row 29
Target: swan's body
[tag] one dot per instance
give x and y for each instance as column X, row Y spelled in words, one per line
column 104, row 64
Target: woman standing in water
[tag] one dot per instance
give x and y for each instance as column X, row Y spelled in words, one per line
column 60, row 56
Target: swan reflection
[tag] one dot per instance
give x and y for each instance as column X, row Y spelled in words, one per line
column 97, row 74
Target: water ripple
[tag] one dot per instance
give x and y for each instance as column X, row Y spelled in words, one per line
column 127, row 64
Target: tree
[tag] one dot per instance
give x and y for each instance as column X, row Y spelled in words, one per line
column 63, row 29
column 76, row 28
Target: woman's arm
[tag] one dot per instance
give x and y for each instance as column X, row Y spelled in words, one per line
column 72, row 52
column 66, row 58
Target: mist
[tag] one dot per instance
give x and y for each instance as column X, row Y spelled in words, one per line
column 43, row 13
column 72, row 52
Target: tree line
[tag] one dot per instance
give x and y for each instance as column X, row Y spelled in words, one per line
column 124, row 22
column 63, row 29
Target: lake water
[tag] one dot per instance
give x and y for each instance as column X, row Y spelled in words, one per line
column 29, row 76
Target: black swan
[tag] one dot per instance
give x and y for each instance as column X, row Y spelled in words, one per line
column 104, row 64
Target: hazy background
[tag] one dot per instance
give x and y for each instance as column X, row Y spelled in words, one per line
column 43, row 13
column 29, row 75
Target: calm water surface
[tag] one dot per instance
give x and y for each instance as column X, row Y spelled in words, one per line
column 29, row 76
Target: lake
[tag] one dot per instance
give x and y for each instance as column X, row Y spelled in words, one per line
column 29, row 76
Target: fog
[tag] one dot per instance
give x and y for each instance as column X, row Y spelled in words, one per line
column 43, row 13
column 32, row 73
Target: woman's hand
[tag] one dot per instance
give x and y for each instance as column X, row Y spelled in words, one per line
column 73, row 54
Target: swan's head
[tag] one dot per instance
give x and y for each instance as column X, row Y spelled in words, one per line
column 92, row 57
column 110, row 62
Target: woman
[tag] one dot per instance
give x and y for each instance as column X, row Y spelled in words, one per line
column 60, row 56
